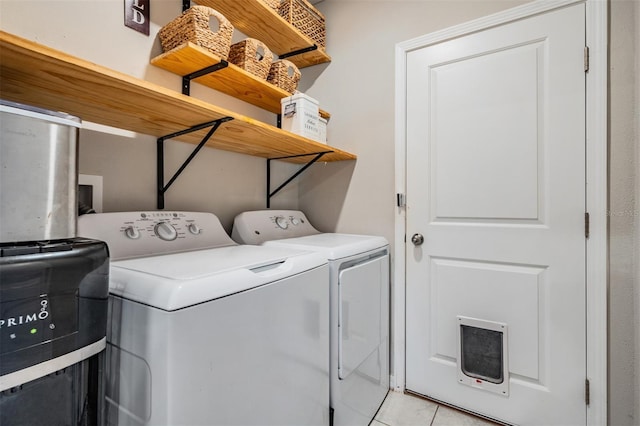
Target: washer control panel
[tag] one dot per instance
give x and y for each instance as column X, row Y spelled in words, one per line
column 134, row 234
column 256, row 227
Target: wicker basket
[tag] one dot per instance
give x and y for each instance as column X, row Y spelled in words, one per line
column 194, row 26
column 253, row 56
column 285, row 75
column 306, row 18
column 273, row 4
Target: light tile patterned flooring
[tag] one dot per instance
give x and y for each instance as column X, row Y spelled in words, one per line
column 407, row 410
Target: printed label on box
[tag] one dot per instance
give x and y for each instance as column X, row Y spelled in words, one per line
column 290, row 110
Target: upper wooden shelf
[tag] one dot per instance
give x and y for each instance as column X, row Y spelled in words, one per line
column 37, row 75
column 232, row 80
column 256, row 19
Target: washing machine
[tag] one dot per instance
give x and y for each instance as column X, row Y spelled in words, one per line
column 206, row 331
column 359, row 282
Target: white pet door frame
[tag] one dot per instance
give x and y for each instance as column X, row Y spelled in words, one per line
column 483, row 360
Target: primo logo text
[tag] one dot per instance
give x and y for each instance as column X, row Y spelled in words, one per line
column 24, row 319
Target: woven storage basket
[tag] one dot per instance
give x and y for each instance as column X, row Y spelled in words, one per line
column 193, row 26
column 273, row 4
column 306, row 18
column 253, row 56
column 285, row 75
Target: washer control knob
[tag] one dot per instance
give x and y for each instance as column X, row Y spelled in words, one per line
column 132, row 232
column 166, row 231
column 295, row 221
column 194, row 229
column 282, row 222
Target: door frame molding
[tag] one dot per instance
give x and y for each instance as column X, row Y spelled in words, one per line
column 596, row 190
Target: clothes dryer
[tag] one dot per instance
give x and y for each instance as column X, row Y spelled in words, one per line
column 205, row 331
column 359, row 282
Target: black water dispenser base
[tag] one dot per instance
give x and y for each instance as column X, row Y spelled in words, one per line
column 67, row 397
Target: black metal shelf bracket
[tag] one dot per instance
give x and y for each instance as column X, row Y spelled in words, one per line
column 270, row 193
column 298, row 52
column 162, row 188
column 186, row 79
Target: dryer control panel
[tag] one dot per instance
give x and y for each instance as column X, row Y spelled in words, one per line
column 256, row 227
column 135, row 234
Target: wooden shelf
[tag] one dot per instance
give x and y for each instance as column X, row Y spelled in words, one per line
column 232, row 80
column 37, row 75
column 258, row 20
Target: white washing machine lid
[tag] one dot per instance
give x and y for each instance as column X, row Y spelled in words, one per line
column 179, row 280
column 332, row 246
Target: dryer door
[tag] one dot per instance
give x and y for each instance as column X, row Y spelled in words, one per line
column 362, row 326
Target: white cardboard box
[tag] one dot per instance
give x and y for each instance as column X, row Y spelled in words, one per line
column 300, row 115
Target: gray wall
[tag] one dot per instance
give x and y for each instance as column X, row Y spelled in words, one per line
column 357, row 88
column 624, row 213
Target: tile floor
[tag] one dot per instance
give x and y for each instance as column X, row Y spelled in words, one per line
column 407, row 410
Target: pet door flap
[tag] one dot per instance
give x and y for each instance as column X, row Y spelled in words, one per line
column 482, row 355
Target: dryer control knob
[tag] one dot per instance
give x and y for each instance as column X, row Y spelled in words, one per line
column 166, row 231
column 193, row 228
column 282, row 222
column 132, row 232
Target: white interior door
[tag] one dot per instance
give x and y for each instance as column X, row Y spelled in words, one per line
column 496, row 186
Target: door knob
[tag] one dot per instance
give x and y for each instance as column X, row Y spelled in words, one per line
column 417, row 239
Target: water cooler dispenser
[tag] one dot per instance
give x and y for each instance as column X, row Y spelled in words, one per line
column 54, row 287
